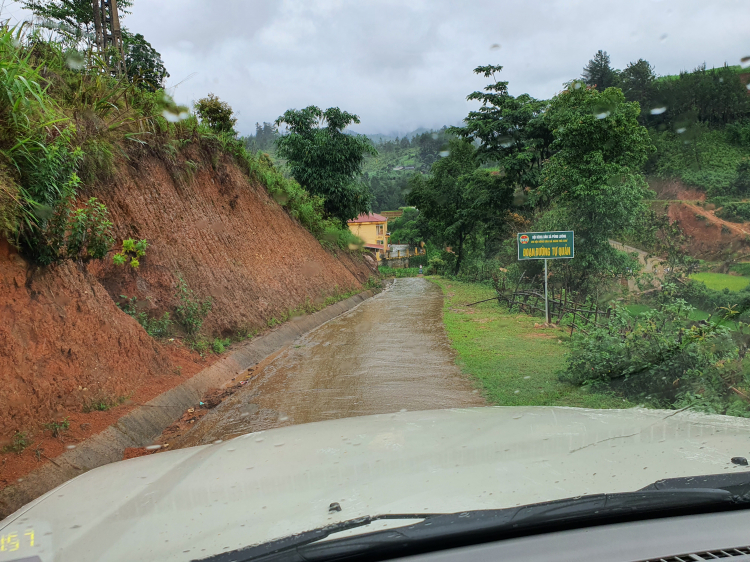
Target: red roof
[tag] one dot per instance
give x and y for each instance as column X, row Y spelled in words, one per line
column 369, row 218
column 374, row 246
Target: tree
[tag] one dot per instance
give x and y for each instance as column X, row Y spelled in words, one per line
column 216, row 114
column 458, row 197
column 143, row 64
column 637, row 83
column 73, row 19
column 326, row 161
column 597, row 73
column 593, row 183
column 406, row 229
column 510, row 131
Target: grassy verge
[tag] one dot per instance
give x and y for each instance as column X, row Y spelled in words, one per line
column 721, row 281
column 515, row 363
column 386, row 271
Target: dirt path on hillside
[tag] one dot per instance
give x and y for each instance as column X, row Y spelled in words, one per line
column 737, row 228
column 388, row 354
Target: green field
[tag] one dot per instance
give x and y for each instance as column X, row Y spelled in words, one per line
column 636, row 309
column 721, row 281
column 515, row 363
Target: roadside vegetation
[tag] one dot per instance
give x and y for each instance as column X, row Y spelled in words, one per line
column 515, row 361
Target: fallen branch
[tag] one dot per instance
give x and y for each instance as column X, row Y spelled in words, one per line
column 485, row 300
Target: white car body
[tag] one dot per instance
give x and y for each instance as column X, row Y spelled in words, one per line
column 196, row 502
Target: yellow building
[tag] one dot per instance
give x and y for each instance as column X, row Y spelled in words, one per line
column 373, row 230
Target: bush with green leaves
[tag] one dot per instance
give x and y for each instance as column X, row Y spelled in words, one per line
column 216, row 114
column 130, row 252
column 191, row 312
column 436, row 265
column 219, row 345
column 57, row 428
column 662, row 358
column 18, row 443
column 155, row 327
column 735, row 212
column 79, row 234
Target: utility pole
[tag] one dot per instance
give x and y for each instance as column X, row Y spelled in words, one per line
column 109, row 34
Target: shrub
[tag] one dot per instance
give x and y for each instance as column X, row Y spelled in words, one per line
column 215, row 113
column 735, row 212
column 219, row 345
column 131, row 250
column 155, row 327
column 436, row 265
column 191, row 312
column 659, row 356
column 57, row 427
column 17, row 445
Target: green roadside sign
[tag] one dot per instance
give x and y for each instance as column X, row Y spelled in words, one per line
column 545, row 245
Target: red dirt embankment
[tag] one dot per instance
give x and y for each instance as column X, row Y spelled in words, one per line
column 65, row 343
column 711, row 238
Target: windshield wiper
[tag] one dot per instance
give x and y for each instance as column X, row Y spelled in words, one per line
column 439, row 531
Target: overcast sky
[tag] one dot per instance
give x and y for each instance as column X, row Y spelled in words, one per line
column 406, row 64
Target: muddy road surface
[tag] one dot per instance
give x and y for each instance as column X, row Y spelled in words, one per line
column 388, row 354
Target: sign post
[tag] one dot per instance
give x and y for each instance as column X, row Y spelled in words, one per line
column 546, row 246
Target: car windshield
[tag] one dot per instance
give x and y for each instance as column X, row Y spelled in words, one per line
column 267, row 267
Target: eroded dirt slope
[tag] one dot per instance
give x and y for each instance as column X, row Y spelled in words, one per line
column 63, row 341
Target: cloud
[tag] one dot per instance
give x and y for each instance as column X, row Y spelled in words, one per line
column 401, row 65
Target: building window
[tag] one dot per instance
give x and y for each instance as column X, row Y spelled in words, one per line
column 379, row 230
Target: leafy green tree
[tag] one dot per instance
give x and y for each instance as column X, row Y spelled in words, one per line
column 73, row 19
column 511, row 130
column 637, row 83
column 593, row 182
column 216, row 114
column 143, row 63
column 458, row 197
column 325, row 160
column 598, row 73
column 406, row 228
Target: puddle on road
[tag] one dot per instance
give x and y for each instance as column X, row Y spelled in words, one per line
column 389, row 354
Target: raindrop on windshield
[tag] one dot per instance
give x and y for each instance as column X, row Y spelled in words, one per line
column 745, row 62
column 681, row 130
column 602, row 115
column 71, row 447
column 259, row 439
column 75, row 60
column 658, row 110
column 217, row 441
column 494, row 47
column 153, row 447
column 170, row 116
column 663, row 37
column 445, row 153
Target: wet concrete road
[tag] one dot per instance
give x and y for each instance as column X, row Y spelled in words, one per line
column 388, row 354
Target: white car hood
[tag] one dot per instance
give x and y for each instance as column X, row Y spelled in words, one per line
column 196, row 502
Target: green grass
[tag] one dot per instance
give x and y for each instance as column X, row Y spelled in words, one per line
column 386, row 271
column 515, row 363
column 721, row 281
column 636, row 309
